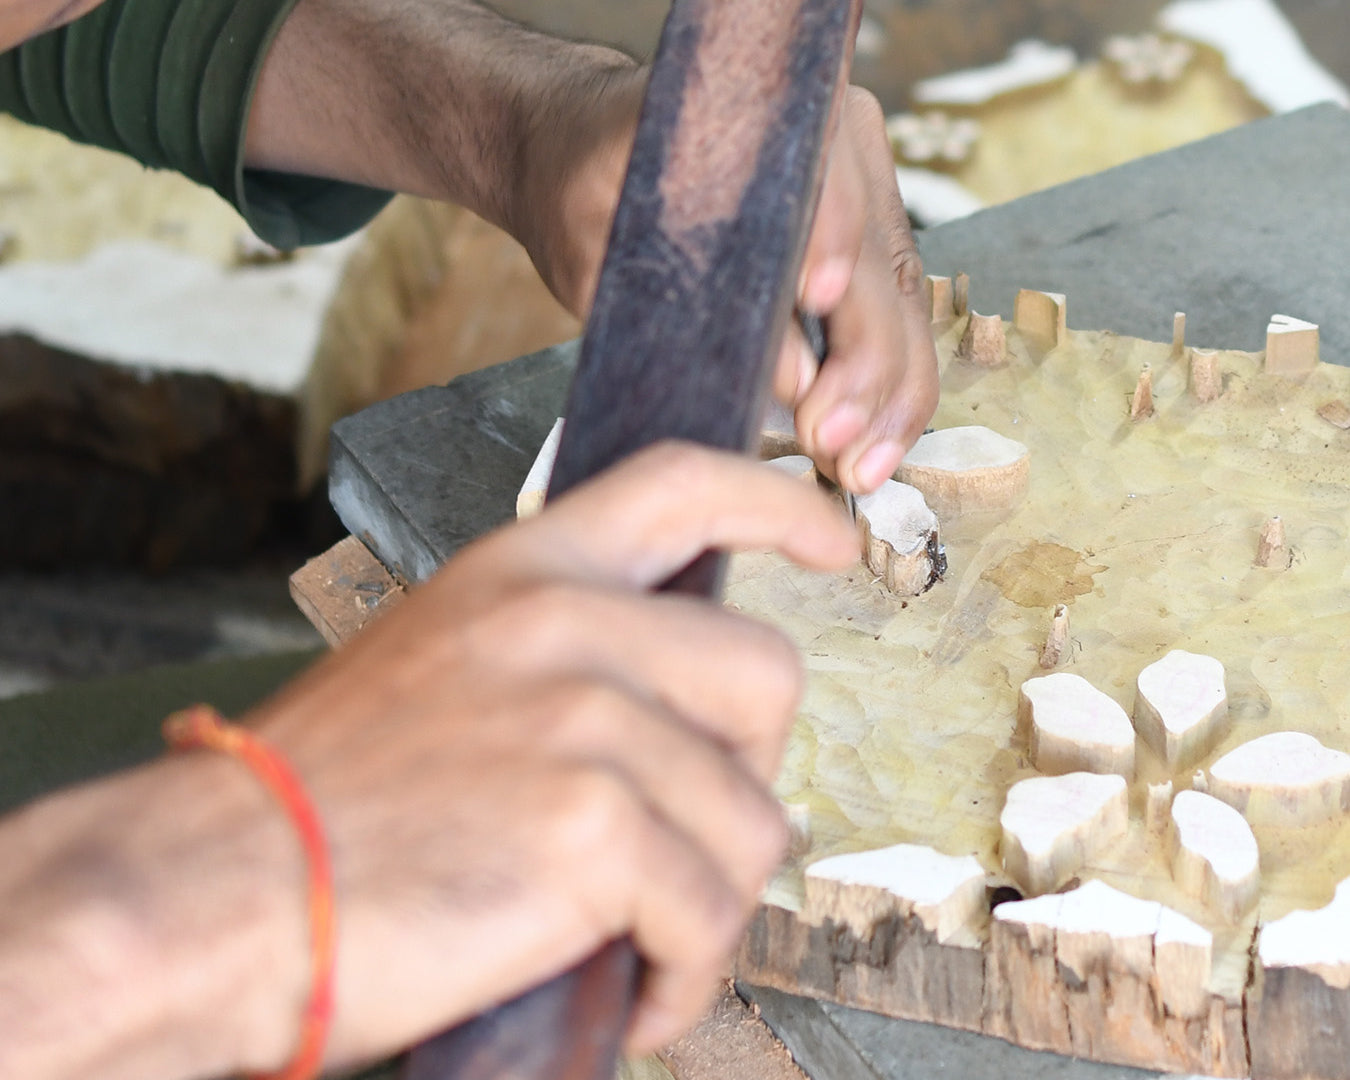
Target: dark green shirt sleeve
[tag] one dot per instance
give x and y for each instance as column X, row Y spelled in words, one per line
column 170, row 83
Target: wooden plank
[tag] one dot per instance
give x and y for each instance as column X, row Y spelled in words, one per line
column 341, row 590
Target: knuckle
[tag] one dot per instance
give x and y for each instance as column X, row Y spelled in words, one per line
column 908, row 266
column 583, row 710
column 598, row 816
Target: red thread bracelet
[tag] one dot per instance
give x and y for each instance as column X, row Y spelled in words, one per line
column 202, row 726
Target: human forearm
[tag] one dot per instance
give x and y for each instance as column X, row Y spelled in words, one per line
column 151, row 926
column 435, row 97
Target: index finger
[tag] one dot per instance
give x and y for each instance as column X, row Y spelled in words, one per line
column 653, row 514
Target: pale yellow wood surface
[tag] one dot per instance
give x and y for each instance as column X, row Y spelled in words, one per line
column 1147, row 530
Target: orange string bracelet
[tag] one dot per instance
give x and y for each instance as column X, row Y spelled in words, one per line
column 201, row 726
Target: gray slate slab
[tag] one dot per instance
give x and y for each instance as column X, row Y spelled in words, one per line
column 831, row 1042
column 419, row 476
column 1231, row 230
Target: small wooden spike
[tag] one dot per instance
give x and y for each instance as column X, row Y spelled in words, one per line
column 1271, row 549
column 1286, row 778
column 1317, row 941
column 1291, row 346
column 1214, row 854
column 985, row 342
column 967, row 469
column 798, row 466
column 1052, row 825
column 1181, row 706
column 1336, row 413
column 1073, row 726
column 530, row 498
column 1206, row 378
column 1141, row 401
column 1157, row 803
column 941, row 298
column 961, row 295
column 900, row 538
column 1178, row 334
column 1041, row 315
column 946, row 892
column 1057, row 640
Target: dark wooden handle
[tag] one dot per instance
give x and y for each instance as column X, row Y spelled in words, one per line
column 568, row 1029
column 690, row 310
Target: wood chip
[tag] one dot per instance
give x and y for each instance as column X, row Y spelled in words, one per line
column 1286, row 778
column 1052, row 826
column 1181, row 706
column 1072, row 726
column 1214, row 854
column 945, row 892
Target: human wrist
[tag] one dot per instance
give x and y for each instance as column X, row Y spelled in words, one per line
column 570, row 164
column 155, row 927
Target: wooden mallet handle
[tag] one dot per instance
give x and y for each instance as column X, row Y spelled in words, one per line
column 692, row 304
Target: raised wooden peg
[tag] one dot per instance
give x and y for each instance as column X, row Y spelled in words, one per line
column 1141, row 401
column 1292, row 346
column 1180, row 706
column 967, row 469
column 1052, row 825
column 1157, row 803
column 1057, row 640
column 1071, row 726
column 1286, row 778
column 900, row 538
column 945, row 892
column 961, row 294
column 1178, row 334
column 1041, row 316
column 1206, row 380
column 985, row 342
column 1124, row 954
column 941, row 298
column 1271, row 547
column 1316, row 941
column 1214, row 854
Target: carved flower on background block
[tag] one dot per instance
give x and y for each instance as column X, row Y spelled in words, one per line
column 932, row 138
column 1148, row 58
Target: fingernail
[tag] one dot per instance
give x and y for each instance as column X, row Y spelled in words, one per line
column 840, row 427
column 807, row 367
column 877, row 464
column 826, row 285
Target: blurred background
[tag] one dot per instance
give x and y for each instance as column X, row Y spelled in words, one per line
column 162, row 446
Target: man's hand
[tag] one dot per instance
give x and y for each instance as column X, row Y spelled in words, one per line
column 528, row 757
column 861, row 411
column 442, row 98
column 563, row 757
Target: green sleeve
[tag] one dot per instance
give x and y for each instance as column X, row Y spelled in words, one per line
column 170, row 83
